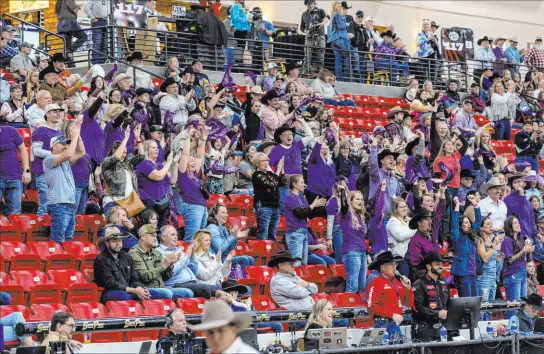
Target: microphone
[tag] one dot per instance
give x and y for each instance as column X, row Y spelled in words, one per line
column 401, row 277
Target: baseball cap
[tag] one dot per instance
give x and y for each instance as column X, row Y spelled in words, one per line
column 59, row 139
column 360, row 13
column 8, row 28
column 143, row 90
column 52, row 106
column 15, row 87
column 271, row 66
column 148, row 229
column 155, row 128
column 538, row 39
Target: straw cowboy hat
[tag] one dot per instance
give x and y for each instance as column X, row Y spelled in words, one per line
column 513, row 39
column 218, row 314
column 493, row 182
column 118, row 79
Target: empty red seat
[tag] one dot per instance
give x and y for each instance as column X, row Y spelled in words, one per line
column 93, row 223
column 84, row 252
column 31, row 226
column 263, row 303
column 264, row 250
column 38, row 289
column 217, row 198
column 17, row 256
column 243, row 222
column 53, row 255
column 44, row 312
column 317, row 274
column 337, row 270
column 158, row 307
column 258, row 279
column 184, row 245
column 77, row 288
column 157, row 82
column 9, row 232
column 327, row 297
column 240, row 204
column 191, row 306
column 131, row 308
column 347, row 300
column 242, row 249
column 15, row 291
column 319, row 227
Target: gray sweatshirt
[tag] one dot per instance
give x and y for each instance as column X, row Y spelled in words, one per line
column 288, row 294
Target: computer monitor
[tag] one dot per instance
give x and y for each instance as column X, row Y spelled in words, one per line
column 371, row 337
column 463, row 313
column 539, row 325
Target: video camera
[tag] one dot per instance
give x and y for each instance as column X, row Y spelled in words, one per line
column 256, row 14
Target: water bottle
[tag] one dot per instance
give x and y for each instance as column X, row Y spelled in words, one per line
column 443, row 334
column 489, row 330
column 513, row 324
column 385, row 340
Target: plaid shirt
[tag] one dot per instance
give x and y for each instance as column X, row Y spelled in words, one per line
column 385, row 48
column 535, row 58
column 8, row 52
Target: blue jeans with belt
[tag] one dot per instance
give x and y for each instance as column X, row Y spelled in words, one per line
column 355, row 264
column 268, row 220
column 297, row 243
column 341, row 55
column 12, row 192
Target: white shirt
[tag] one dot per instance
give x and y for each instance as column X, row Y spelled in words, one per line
column 496, row 212
column 238, row 346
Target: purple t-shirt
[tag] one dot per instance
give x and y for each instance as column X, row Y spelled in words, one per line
column 147, row 188
column 471, row 268
column 293, row 160
column 190, row 189
column 81, row 170
column 93, row 138
column 42, row 135
column 320, row 174
column 112, row 134
column 353, row 239
column 291, row 203
column 10, row 139
column 507, row 248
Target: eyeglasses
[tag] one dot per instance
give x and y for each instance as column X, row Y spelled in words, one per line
column 56, row 110
column 71, row 325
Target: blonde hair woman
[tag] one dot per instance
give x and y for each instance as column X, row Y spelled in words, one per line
column 398, row 231
column 339, row 39
column 211, row 270
column 321, row 316
column 499, row 112
column 31, row 86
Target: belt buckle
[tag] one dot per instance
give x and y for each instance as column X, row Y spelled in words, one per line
column 437, row 325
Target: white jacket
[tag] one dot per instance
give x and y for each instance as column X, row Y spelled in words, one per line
column 326, row 89
column 210, row 271
column 177, row 105
column 142, row 79
column 398, row 236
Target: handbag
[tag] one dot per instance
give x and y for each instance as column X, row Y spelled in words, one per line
column 204, row 189
column 132, row 204
column 162, row 204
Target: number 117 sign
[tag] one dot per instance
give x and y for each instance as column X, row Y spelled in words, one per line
column 457, row 44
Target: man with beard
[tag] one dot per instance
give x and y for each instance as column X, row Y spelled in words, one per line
column 431, row 295
column 143, row 79
column 423, row 241
column 535, row 56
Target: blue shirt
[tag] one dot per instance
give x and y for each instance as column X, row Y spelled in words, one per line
column 222, row 239
column 513, row 55
column 337, row 28
column 238, row 18
column 424, row 47
column 184, row 269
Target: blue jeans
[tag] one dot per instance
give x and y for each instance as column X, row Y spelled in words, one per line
column 9, row 322
column 344, row 103
column 41, row 186
column 283, row 193
column 178, row 201
column 516, row 287
column 337, row 243
column 5, row 298
column 244, row 261
column 69, row 29
column 99, row 42
column 12, row 191
column 466, row 285
column 390, row 66
column 320, row 259
column 276, row 327
column 341, row 58
column 82, row 193
column 297, row 243
column 487, row 287
column 503, row 130
column 268, row 220
column 155, row 293
column 63, row 222
column 356, row 63
column 532, row 160
column 355, row 264
column 195, row 217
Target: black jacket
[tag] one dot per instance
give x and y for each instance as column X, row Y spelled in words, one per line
column 526, row 324
column 115, row 274
column 210, row 29
column 360, row 41
column 429, row 298
column 525, row 146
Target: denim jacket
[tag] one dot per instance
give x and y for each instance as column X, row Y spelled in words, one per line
column 464, row 247
column 338, row 28
column 222, row 239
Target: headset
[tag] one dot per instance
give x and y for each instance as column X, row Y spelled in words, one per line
column 169, row 319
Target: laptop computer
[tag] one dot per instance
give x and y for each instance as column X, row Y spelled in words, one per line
column 371, row 337
column 330, row 338
column 539, row 325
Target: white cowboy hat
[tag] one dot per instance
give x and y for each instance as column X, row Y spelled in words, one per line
column 218, row 314
column 513, row 39
column 119, row 78
column 493, row 182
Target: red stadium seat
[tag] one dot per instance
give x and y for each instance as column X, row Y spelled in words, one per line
column 9, row 232
column 38, row 288
column 53, row 255
column 191, row 306
column 327, row 297
column 131, row 308
column 347, row 300
column 317, row 274
column 92, row 311
column 31, row 226
column 156, row 82
column 258, row 279
column 217, row 198
column 338, row 270
column 264, row 249
column 93, row 223
column 243, row 222
column 15, row 291
column 282, row 227
column 184, row 245
column 263, row 303
column 75, row 285
column 158, row 307
column 84, row 252
column 9, row 309
column 44, row 312
column 17, row 256
column 242, row 249
column 240, row 204
column 319, row 227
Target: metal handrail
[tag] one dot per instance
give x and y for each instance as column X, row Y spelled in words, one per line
column 49, row 33
column 122, row 61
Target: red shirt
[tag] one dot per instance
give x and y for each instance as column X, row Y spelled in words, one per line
column 454, row 164
column 386, row 297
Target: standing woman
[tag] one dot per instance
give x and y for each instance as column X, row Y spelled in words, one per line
column 321, row 175
column 194, row 194
column 266, row 201
column 427, row 50
column 499, row 111
column 296, row 212
column 489, row 249
column 399, row 233
column 154, row 180
column 347, row 164
column 339, row 39
column 241, row 23
column 245, row 185
column 334, row 232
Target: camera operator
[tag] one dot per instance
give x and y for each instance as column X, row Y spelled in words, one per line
column 261, row 32
column 312, row 25
column 177, row 335
column 61, row 330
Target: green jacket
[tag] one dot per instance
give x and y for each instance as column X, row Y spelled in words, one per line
column 149, row 267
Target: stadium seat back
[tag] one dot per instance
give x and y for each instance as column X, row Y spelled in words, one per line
column 88, row 310
column 158, row 307
column 9, row 309
column 44, row 312
column 327, row 297
column 263, row 303
column 53, row 255
column 17, row 256
column 217, row 198
column 84, row 252
column 347, row 300
column 191, row 306
column 128, row 308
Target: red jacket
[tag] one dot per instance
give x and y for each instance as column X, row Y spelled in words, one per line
column 383, row 300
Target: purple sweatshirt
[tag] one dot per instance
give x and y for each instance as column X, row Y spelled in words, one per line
column 320, row 174
column 419, row 246
column 509, row 250
column 292, row 202
column 377, row 234
column 521, row 208
column 93, row 138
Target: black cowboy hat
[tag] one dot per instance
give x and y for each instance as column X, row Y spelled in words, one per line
column 383, row 258
column 280, row 130
column 232, row 285
column 345, row 5
column 534, row 300
column 386, row 152
column 264, row 145
column 290, row 65
column 486, row 38
column 143, row 90
column 466, row 173
column 169, row 81
column 281, row 258
column 58, row 57
column 453, row 80
column 514, row 177
column 410, row 146
column 429, row 259
column 269, row 95
column 423, row 213
column 388, row 33
column 135, row 56
column 48, row 70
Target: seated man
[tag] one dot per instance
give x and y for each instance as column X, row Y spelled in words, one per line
column 185, row 268
column 61, row 330
column 528, row 313
column 152, row 268
column 114, row 271
column 21, row 63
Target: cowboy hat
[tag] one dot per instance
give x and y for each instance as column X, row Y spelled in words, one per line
column 429, row 259
column 486, row 38
column 345, row 5
column 466, row 173
column 388, row 33
column 135, row 56
column 218, row 314
column 493, row 182
column 515, row 176
column 513, row 39
column 422, row 214
column 410, row 146
column 384, row 153
column 290, row 65
column 282, row 257
column 396, row 110
column 498, row 39
column 112, row 234
column 453, row 80
column 434, row 24
column 58, row 58
column 265, row 144
column 48, row 70
column 118, row 79
column 256, row 90
column 534, row 300
column 169, row 81
column 269, row 95
column 232, row 285
column 53, row 106
column 383, row 258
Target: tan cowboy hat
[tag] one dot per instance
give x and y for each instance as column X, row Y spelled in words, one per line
column 119, row 78
column 256, row 90
column 112, row 233
column 513, row 39
column 218, row 314
column 498, row 39
column 493, row 182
